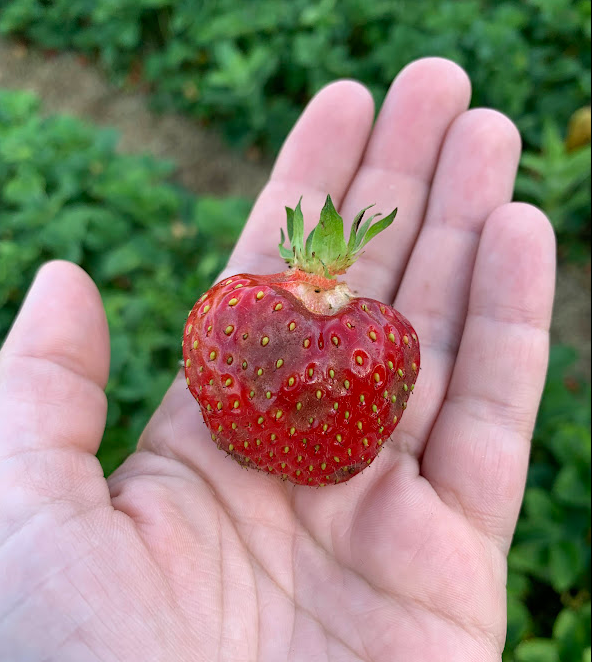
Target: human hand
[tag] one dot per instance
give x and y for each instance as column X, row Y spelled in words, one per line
column 183, row 555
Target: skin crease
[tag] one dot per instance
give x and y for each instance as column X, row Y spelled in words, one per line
column 182, row 554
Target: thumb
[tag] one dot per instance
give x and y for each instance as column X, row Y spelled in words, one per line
column 54, row 366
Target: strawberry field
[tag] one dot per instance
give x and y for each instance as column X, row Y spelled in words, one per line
column 150, row 245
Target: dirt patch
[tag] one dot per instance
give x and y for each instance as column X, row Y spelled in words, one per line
column 206, row 164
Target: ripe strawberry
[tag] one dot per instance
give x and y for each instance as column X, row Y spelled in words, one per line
column 294, row 374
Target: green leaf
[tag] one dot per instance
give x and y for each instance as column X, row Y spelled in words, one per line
column 379, row 227
column 537, row 650
column 328, row 243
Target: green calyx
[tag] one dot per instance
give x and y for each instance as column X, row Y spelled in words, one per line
column 325, row 252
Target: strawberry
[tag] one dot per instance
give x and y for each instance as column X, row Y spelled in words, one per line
column 295, row 375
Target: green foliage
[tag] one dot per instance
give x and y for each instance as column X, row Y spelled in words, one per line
column 150, row 247
column 549, row 563
column 252, row 66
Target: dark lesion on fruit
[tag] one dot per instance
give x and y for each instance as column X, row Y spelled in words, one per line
column 346, row 472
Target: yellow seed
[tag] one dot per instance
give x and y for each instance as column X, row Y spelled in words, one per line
column 273, row 437
column 372, row 335
column 260, row 372
column 228, row 281
column 209, row 407
column 391, row 337
column 283, row 465
column 195, row 343
column 286, row 449
column 362, row 398
column 379, row 442
column 236, row 287
column 414, row 337
column 292, row 430
column 374, row 408
column 211, row 382
column 279, row 363
column 236, row 404
column 258, row 442
column 270, row 455
column 335, row 405
column 331, row 373
column 323, row 466
column 412, row 386
column 339, row 438
column 264, row 340
column 228, row 382
column 231, row 447
column 220, row 428
column 404, row 405
column 292, row 326
column 212, row 356
column 189, row 329
column 335, row 340
column 394, row 399
column 317, row 448
column 245, row 336
column 346, row 383
column 395, row 419
column 349, row 451
column 319, row 395
column 310, row 468
column 206, row 308
column 245, row 365
column 359, row 360
column 306, row 342
column 382, row 310
column 364, row 307
column 298, row 472
column 376, row 377
column 201, row 369
column 219, row 405
column 259, row 296
column 359, row 424
column 228, row 330
column 348, row 324
column 251, row 394
column 298, row 406
column 279, row 414
column 299, row 458
column 234, row 426
column 268, row 395
column 336, row 458
column 187, row 380
column 406, row 339
column 260, row 420
column 310, row 372
column 405, row 387
column 385, row 395
column 291, row 381
column 188, row 363
column 346, row 414
column 400, row 372
column 325, row 427
column 229, row 360
column 365, row 441
column 278, row 306
column 208, row 329
column 414, row 367
column 233, row 301
column 246, row 444
column 311, row 420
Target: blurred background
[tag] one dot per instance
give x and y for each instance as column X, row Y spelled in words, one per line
column 135, row 135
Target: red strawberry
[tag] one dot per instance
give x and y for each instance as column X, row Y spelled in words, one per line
column 294, row 374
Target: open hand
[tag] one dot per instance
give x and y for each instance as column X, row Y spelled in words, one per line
column 181, row 554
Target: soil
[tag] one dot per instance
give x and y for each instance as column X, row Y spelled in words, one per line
column 206, row 164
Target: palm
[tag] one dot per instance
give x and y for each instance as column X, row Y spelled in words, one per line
column 183, row 555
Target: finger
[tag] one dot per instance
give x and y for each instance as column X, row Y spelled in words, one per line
column 475, row 175
column 399, row 165
column 477, row 455
column 319, row 157
column 54, row 366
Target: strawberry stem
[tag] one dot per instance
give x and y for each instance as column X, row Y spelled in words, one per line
column 325, row 252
